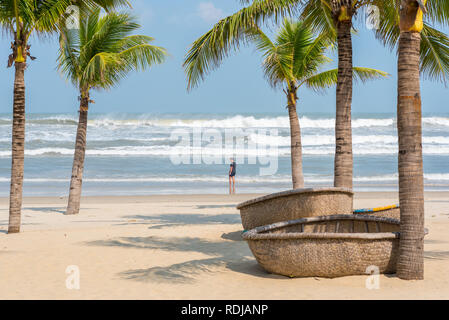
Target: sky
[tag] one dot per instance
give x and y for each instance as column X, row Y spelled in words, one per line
column 238, row 86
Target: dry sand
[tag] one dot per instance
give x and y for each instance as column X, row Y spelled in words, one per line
column 181, row 247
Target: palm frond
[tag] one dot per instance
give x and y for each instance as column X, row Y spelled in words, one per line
column 313, row 58
column 365, row 74
column 207, row 53
column 327, row 79
column 108, row 5
column 434, row 54
column 388, row 32
column 141, row 56
column 46, row 16
column 317, row 14
column 68, row 62
column 103, row 51
column 434, row 43
column 438, row 11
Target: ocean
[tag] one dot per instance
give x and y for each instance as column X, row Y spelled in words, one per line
column 143, row 154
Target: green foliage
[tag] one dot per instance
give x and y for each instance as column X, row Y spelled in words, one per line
column 293, row 57
column 438, row 11
column 227, row 35
column 105, row 4
column 43, row 16
column 317, row 14
column 296, row 57
column 207, row 53
column 434, row 54
column 103, row 51
column 434, row 43
column 329, row 78
column 38, row 16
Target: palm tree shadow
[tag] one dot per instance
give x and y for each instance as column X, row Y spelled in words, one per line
column 47, row 210
column 6, row 223
column 427, row 241
column 176, row 220
column 232, row 255
column 429, row 255
column 436, row 255
column 216, row 206
column 175, row 273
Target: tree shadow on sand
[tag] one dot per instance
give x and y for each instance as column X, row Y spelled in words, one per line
column 174, row 220
column 233, row 255
column 220, row 206
column 47, row 210
column 5, row 223
column 436, row 255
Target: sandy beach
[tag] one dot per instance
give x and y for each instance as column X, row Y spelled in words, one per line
column 181, row 247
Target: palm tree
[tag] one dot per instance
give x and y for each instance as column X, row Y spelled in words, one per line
column 422, row 49
column 22, row 19
column 342, row 13
column 336, row 16
column 291, row 61
column 411, row 176
column 97, row 56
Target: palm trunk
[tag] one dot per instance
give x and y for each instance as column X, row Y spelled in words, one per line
column 411, row 186
column 296, row 145
column 76, row 182
column 18, row 149
column 343, row 127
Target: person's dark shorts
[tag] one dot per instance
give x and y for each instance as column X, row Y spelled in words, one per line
column 232, row 175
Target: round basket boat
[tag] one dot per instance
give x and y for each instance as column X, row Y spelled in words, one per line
column 328, row 246
column 295, row 204
column 393, row 212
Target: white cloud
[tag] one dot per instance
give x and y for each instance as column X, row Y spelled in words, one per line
column 209, row 13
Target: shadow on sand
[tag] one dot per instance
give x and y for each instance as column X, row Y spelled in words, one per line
column 217, row 206
column 47, row 210
column 436, row 255
column 231, row 254
column 434, row 241
column 175, row 220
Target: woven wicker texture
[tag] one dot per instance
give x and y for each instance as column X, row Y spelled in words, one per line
column 295, row 204
column 329, row 246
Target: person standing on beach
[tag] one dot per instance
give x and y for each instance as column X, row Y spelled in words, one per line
column 232, row 173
